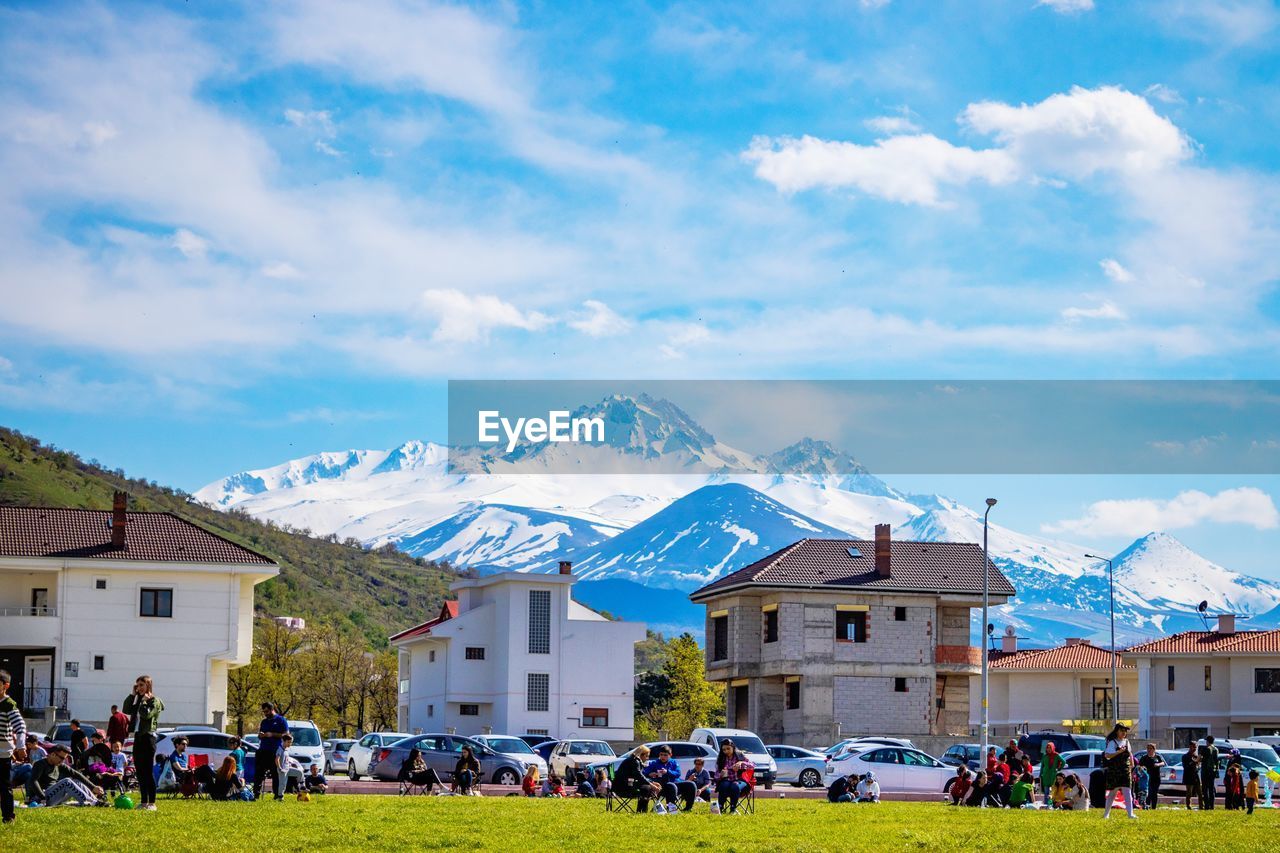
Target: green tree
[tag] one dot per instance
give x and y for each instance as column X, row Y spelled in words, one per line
column 693, row 701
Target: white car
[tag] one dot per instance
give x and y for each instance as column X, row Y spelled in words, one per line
column 579, row 753
column 365, row 750
column 748, row 743
column 1081, row 762
column 897, row 769
column 513, row 747
column 861, row 743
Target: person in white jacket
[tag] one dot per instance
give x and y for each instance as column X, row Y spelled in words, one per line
column 868, row 790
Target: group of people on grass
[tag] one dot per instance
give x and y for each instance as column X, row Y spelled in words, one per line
column 414, row 773
column 657, row 780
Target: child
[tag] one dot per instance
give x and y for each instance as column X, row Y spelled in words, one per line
column 1251, row 792
column 529, row 785
column 1140, row 783
column 1234, row 787
column 1023, row 793
column 960, row 786
column 555, row 785
column 1058, row 792
column 868, row 790
column 314, row 781
column 978, row 793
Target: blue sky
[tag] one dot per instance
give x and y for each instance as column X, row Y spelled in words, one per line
column 239, row 233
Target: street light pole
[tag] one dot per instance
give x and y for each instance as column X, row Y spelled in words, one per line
column 986, row 722
column 1111, row 592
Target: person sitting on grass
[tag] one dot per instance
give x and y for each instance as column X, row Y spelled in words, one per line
column 529, row 784
column 733, row 769
column 663, row 770
column 99, row 752
column 868, row 790
column 1022, row 794
column 555, row 786
column 415, row 771
column 700, row 778
column 978, row 793
column 841, row 790
column 110, row 775
column 1058, row 793
column 1077, row 795
column 629, row 781
column 225, row 783
column 466, row 773
column 960, row 786
column 54, row 781
column 601, row 783
column 315, row 782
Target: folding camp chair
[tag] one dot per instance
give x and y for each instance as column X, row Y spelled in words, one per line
column 747, row 802
column 409, row 789
column 616, row 802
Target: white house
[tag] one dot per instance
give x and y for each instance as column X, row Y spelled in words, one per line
column 91, row 599
column 1223, row 682
column 515, row 654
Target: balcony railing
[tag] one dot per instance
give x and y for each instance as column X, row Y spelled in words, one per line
column 36, row 699
column 1103, row 711
column 28, row 611
column 957, row 655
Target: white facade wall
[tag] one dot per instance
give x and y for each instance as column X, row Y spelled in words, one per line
column 1230, row 708
column 188, row 655
column 590, row 664
column 1043, row 699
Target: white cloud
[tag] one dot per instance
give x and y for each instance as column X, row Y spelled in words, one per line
column 327, row 149
column 466, row 319
column 1246, row 505
column 1230, row 22
column 892, row 125
column 681, row 337
column 1067, row 7
column 907, row 169
column 190, row 244
column 1194, row 447
column 1164, row 94
column 1105, row 311
column 318, row 120
column 599, row 320
column 1115, row 271
column 280, row 270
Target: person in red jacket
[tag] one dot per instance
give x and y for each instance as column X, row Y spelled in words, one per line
column 117, row 725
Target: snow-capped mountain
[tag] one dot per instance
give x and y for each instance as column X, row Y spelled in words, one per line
column 722, row 509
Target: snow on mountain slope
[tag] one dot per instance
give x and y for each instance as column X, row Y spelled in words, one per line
column 498, row 536
column 696, row 539
column 1158, row 572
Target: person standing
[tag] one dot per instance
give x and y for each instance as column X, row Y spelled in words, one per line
column 143, row 708
column 1051, row 764
column 267, row 759
column 1117, row 761
column 117, row 725
column 1251, row 792
column 1191, row 776
column 1208, row 773
column 79, row 742
column 1153, row 762
column 13, row 739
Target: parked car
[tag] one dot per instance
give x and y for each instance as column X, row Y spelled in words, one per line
column 1081, row 762
column 860, row 743
column 60, row 733
column 1258, row 750
column 1272, row 741
column 1033, row 743
column 250, row 742
column 308, row 745
column 544, row 749
column 362, row 752
column 336, row 751
column 1172, row 778
column 683, row 753
column 214, row 744
column 440, row 752
column 747, row 743
column 896, row 769
column 964, row 755
column 799, row 766
column 535, row 740
column 513, row 747
column 578, row 754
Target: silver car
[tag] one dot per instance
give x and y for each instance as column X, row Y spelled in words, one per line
column 799, row 766
column 364, row 752
column 441, row 752
column 336, row 752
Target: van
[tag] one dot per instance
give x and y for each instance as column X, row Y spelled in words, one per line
column 308, row 746
column 748, row 743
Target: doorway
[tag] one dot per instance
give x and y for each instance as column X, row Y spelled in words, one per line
column 38, row 693
column 741, row 708
column 1102, row 703
column 40, row 602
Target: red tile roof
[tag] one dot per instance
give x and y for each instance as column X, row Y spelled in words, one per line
column 448, row 611
column 1211, row 642
column 929, row 567
column 1070, row 656
column 83, row 533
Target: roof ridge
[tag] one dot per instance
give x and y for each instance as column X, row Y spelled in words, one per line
column 1248, row 634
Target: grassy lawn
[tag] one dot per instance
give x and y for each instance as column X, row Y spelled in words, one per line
column 497, row 823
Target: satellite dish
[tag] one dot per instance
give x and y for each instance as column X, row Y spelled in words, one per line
column 1203, row 606
column 1010, row 631
column 991, row 628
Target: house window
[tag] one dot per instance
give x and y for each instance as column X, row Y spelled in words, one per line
column 771, row 626
column 404, row 685
column 431, row 656
column 99, row 662
column 1171, row 680
column 539, row 621
column 156, row 602
column 539, row 698
column 431, row 710
column 720, row 638
column 793, row 695
column 99, row 583
column 899, row 614
column 851, row 626
column 1208, row 677
column 899, row 685
column 595, row 718
column 475, row 653
column 469, row 710
column 1266, row 681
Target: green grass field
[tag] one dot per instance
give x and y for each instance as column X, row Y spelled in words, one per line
column 381, row 822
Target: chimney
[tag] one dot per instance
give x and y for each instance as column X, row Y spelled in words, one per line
column 1009, row 644
column 1227, row 623
column 1075, row 641
column 882, row 550
column 119, row 519
column 566, row 567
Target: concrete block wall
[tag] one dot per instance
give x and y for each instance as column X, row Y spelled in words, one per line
column 953, row 626
column 744, row 633
column 869, row 704
column 890, row 641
